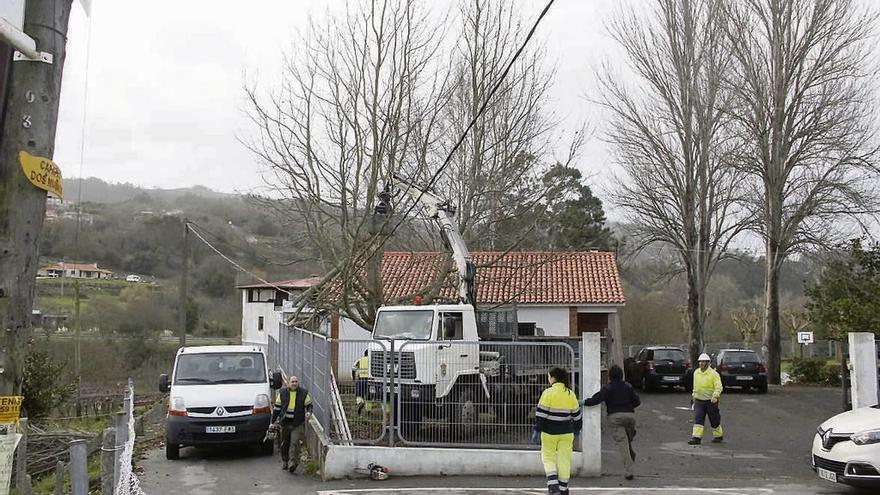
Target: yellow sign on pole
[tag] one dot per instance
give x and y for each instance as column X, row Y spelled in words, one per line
column 42, row 172
column 9, row 409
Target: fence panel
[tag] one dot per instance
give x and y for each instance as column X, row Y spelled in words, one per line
column 306, row 355
column 472, row 394
column 364, row 402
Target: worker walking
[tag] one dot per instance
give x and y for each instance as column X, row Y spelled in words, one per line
column 706, row 394
column 557, row 421
column 293, row 407
column 620, row 403
column 360, row 371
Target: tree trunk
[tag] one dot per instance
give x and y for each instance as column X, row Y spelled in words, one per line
column 30, row 121
column 772, row 345
column 695, row 320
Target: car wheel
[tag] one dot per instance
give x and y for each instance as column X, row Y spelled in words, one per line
column 646, row 385
column 762, row 389
column 172, row 451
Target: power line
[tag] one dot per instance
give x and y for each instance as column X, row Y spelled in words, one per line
column 191, row 226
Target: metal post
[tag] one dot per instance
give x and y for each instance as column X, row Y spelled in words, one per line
column 108, row 459
column 184, row 275
column 21, row 454
column 79, row 475
column 392, row 397
column 59, row 478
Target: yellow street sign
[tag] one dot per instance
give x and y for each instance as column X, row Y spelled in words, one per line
column 9, row 409
column 42, row 172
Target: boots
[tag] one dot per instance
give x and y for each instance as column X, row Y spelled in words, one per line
column 694, row 441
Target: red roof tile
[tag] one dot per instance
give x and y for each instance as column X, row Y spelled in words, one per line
column 589, row 277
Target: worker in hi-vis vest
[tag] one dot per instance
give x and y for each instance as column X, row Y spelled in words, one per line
column 557, row 421
column 360, row 371
column 706, row 394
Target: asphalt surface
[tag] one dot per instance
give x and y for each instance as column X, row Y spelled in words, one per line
column 766, row 451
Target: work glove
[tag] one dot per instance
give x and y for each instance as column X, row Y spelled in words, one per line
column 536, row 437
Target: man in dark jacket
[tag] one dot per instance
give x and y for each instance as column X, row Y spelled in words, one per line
column 293, row 407
column 620, row 402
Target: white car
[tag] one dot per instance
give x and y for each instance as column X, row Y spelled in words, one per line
column 846, row 448
column 133, row 278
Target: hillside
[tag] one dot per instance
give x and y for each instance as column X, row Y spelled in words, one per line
column 95, row 190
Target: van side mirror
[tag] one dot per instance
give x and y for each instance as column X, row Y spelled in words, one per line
column 164, row 386
column 275, row 381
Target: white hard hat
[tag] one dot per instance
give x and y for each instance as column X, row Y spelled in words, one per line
column 704, row 357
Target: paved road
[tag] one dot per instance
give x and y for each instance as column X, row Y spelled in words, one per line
column 767, row 451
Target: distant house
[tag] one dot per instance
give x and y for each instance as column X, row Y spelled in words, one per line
column 75, row 270
column 556, row 294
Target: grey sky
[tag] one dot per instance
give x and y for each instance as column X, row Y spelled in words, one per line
column 165, row 102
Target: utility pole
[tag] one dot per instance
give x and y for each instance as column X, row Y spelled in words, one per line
column 184, row 274
column 29, row 125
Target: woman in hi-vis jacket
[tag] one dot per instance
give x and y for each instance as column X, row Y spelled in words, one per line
column 557, row 421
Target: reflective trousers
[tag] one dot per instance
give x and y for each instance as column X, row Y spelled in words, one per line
column 556, row 452
column 703, row 408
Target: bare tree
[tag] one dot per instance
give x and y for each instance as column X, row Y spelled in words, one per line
column 803, row 96
column 747, row 321
column 360, row 100
column 495, row 174
column 671, row 140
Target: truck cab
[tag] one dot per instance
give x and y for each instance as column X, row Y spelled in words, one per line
column 218, row 395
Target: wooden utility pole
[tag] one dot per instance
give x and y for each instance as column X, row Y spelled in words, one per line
column 29, row 125
column 184, row 275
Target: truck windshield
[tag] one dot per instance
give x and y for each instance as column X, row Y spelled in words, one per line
column 220, row 367
column 412, row 325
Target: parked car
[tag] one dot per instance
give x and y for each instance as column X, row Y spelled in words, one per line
column 218, row 395
column 133, row 278
column 741, row 368
column 846, row 448
column 657, row 366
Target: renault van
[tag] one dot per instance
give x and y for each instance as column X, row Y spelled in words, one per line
column 218, row 395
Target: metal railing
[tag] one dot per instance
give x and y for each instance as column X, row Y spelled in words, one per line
column 449, row 393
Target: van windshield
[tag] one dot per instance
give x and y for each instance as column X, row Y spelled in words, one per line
column 411, row 325
column 220, row 367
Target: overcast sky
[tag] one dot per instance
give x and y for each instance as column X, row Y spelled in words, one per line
column 164, row 100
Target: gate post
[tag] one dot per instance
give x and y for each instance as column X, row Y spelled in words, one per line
column 591, row 378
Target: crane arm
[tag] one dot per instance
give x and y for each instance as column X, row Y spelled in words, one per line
column 442, row 213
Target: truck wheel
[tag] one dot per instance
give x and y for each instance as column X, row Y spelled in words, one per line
column 465, row 412
column 646, row 385
column 172, row 451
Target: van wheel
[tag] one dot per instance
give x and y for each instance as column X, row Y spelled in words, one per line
column 466, row 413
column 172, row 451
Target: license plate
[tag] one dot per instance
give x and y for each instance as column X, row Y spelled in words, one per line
column 220, row 429
column 745, row 378
column 827, row 475
column 670, row 378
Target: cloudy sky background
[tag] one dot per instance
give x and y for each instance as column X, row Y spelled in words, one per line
column 164, row 100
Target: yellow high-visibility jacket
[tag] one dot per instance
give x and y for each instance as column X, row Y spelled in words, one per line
column 559, row 411
column 707, row 384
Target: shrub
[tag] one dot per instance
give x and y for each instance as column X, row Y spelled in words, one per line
column 831, row 374
column 43, row 387
column 807, row 370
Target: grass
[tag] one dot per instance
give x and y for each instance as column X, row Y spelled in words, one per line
column 46, row 484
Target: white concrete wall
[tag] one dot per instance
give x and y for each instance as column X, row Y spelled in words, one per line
column 553, row 319
column 591, row 382
column 863, row 364
column 341, row 461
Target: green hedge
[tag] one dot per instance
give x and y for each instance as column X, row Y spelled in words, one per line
column 815, row 371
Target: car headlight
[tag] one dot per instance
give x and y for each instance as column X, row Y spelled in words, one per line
column 262, row 401
column 177, row 404
column 866, row 437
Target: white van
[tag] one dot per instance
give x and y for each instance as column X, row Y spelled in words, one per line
column 218, row 395
column 133, row 278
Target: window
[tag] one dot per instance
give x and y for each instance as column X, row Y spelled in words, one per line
column 409, row 324
column 261, row 295
column 260, row 323
column 668, row 355
column 226, row 367
column 451, row 326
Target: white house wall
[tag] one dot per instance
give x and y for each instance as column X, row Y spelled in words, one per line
column 553, row 319
column 250, row 313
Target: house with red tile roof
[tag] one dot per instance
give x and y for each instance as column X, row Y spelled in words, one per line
column 556, row 294
column 74, row 270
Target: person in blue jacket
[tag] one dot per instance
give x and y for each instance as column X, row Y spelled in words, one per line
column 620, row 403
